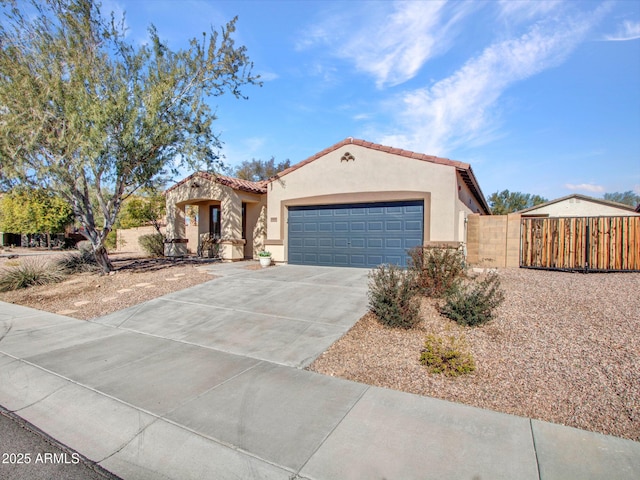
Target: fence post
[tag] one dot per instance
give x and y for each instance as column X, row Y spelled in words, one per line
column 587, row 246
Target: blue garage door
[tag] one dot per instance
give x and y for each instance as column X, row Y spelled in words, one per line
column 354, row 235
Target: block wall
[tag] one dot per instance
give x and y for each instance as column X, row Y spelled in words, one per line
column 493, row 241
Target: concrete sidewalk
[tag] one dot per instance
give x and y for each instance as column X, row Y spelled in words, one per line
column 207, row 384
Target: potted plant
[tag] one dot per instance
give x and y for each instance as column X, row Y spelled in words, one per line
column 265, row 258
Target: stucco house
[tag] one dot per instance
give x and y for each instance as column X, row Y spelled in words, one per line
column 577, row 205
column 355, row 203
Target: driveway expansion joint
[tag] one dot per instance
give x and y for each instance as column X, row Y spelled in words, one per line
column 535, row 450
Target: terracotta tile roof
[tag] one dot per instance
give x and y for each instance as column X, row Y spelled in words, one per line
column 244, row 185
column 464, row 168
column 235, row 183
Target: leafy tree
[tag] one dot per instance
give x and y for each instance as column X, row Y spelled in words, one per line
column 143, row 210
column 505, row 201
column 30, row 212
column 85, row 113
column 257, row 170
column 628, row 198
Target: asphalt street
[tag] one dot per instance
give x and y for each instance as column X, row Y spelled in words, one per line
column 27, row 454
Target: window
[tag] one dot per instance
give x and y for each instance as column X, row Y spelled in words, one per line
column 215, row 224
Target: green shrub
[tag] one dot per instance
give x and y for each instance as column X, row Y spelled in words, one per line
column 29, row 273
column 437, row 269
column 111, row 242
column 474, row 303
column 152, row 244
column 448, row 355
column 392, row 296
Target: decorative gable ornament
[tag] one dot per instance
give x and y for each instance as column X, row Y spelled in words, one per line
column 347, row 157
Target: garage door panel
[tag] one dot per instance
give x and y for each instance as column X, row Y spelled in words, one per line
column 395, row 226
column 413, row 209
column 395, row 259
column 342, row 260
column 375, row 259
column 393, row 243
column 412, row 242
column 358, row 261
column 357, row 235
column 413, row 226
column 394, row 210
column 340, row 243
column 295, row 257
column 341, row 227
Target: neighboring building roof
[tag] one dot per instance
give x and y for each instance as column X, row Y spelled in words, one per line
column 235, row 183
column 464, row 168
column 580, row 197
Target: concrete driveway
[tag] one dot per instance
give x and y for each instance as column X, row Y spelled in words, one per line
column 206, row 383
column 286, row 314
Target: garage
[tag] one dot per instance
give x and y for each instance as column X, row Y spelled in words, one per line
column 354, row 235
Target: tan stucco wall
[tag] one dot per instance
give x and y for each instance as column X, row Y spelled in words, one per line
column 127, row 239
column 578, row 207
column 493, row 241
column 466, row 204
column 372, row 176
column 202, row 193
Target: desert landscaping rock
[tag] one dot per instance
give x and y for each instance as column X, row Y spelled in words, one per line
column 88, row 290
column 564, row 348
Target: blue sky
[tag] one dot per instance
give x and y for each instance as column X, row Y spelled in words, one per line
column 539, row 97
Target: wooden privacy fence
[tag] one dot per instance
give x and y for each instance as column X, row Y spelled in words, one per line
column 581, row 243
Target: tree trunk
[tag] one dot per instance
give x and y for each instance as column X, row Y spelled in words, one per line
column 102, row 257
column 97, row 240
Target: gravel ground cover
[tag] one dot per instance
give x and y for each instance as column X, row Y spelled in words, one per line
column 565, row 348
column 89, row 295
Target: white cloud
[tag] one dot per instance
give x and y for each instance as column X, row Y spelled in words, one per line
column 511, row 10
column 389, row 41
column 627, row 31
column 586, row 187
column 462, row 108
column 395, row 50
column 268, row 76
